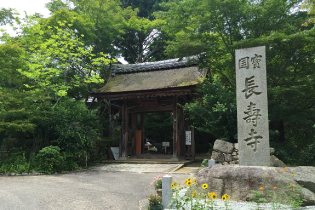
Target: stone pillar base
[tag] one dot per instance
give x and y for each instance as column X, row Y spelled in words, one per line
column 174, row 159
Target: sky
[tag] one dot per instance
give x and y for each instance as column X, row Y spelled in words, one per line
column 30, row 6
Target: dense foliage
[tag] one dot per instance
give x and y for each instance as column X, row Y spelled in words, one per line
column 48, row 69
column 220, row 27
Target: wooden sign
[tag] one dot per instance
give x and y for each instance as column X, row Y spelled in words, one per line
column 148, row 101
column 165, row 144
column 188, row 137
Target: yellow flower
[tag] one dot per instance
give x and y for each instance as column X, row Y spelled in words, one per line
column 204, row 186
column 261, row 188
column 195, row 180
column 172, row 185
column 189, row 182
column 271, row 176
column 224, row 198
column 193, row 195
column 275, row 187
column 189, row 179
column 282, row 170
column 293, row 174
column 213, row 196
column 292, row 185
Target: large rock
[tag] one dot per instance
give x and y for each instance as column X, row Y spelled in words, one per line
column 239, row 181
column 272, row 151
column 275, row 162
column 228, row 157
column 223, row 146
column 217, row 156
column 304, row 175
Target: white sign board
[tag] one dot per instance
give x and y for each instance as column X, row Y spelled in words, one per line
column 165, row 144
column 188, row 137
column 115, row 151
column 252, row 106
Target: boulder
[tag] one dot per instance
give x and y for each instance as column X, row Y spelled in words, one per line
column 223, row 146
column 272, row 151
column 239, row 181
column 228, row 157
column 235, row 157
column 217, row 156
column 304, row 175
column 275, row 162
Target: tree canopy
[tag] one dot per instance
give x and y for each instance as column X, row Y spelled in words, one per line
column 53, row 63
column 220, row 27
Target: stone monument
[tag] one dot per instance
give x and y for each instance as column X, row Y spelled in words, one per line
column 252, row 107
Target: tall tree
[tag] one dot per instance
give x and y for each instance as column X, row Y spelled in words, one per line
column 6, row 16
column 219, row 27
column 62, row 62
column 19, row 109
column 143, row 40
column 310, row 6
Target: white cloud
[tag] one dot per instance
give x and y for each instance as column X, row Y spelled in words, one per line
column 29, row 6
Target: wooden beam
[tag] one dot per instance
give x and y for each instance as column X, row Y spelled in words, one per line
column 175, row 126
column 181, row 131
column 134, row 130
column 142, row 132
column 124, row 149
column 167, row 108
column 146, row 93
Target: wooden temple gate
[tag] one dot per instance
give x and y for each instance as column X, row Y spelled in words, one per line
column 152, row 88
column 180, row 125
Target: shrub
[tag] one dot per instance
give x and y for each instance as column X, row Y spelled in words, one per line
column 307, row 155
column 74, row 128
column 16, row 162
column 49, row 160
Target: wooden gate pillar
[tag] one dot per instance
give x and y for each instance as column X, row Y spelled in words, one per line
column 175, row 129
column 134, row 130
column 142, row 132
column 124, row 126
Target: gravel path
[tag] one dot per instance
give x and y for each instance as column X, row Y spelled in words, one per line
column 84, row 190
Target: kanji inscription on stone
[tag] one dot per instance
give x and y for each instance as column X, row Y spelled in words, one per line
column 252, row 140
column 252, row 114
column 250, row 87
column 252, row 106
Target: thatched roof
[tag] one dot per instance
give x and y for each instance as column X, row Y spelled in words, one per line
column 162, row 75
column 153, row 66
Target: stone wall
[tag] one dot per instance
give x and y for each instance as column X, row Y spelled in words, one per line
column 226, row 153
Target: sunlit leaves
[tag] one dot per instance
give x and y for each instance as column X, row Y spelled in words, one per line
column 56, row 61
